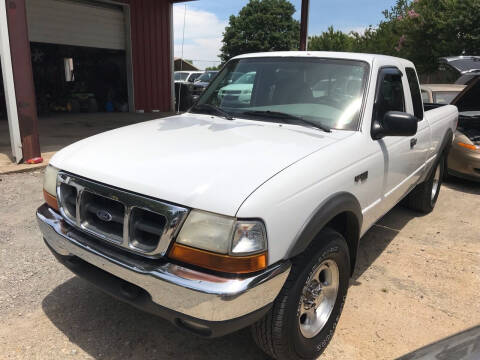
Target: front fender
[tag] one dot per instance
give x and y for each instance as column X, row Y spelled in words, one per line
column 344, row 204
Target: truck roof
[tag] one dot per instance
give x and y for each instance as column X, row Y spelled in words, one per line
column 369, row 58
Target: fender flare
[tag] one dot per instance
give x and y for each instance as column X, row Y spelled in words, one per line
column 339, row 203
column 443, row 149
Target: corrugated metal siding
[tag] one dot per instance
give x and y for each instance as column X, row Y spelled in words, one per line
column 77, row 23
column 151, row 54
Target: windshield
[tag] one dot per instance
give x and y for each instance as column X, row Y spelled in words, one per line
column 207, row 76
column 327, row 92
column 180, row 76
column 247, row 78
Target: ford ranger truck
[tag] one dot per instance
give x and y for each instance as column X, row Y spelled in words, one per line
column 250, row 213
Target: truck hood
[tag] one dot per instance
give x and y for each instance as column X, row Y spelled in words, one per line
column 467, row 100
column 468, row 105
column 199, row 161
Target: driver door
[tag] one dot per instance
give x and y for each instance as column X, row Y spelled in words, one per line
column 402, row 161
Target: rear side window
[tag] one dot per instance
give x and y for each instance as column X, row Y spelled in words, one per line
column 416, row 94
column 390, row 94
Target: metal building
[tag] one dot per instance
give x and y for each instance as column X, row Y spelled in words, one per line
column 135, row 35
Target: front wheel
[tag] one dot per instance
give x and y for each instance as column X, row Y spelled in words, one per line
column 303, row 318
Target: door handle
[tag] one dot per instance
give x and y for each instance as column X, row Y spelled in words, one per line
column 413, row 142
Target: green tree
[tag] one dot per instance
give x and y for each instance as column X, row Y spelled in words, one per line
column 213, row 68
column 331, row 40
column 261, row 25
column 435, row 28
column 425, row 30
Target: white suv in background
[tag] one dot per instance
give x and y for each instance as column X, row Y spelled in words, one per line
column 187, row 76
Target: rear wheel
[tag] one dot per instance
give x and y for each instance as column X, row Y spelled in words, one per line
column 303, row 318
column 424, row 197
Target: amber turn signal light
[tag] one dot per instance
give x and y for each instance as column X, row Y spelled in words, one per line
column 467, row 146
column 50, row 200
column 219, row 262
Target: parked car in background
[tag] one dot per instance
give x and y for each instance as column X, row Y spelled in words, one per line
column 440, row 93
column 242, row 213
column 201, row 84
column 240, row 89
column 464, row 158
column 467, row 67
column 187, row 83
column 186, row 76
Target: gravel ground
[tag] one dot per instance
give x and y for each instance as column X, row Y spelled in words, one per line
column 417, row 280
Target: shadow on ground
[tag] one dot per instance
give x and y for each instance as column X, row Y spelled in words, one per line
column 466, row 186
column 377, row 239
column 106, row 328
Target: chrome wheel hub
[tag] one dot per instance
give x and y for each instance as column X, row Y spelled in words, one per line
column 436, row 182
column 318, row 298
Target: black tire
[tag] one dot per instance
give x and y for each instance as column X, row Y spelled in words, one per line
column 278, row 334
column 421, row 198
column 446, row 176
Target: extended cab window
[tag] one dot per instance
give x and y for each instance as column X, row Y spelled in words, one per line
column 390, row 94
column 415, row 91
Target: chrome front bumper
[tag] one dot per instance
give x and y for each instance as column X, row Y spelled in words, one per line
column 196, row 294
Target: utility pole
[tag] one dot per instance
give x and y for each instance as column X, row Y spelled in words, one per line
column 304, row 25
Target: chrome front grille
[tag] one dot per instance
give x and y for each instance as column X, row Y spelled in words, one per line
column 134, row 222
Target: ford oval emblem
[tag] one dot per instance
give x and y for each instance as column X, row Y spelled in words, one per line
column 104, row 215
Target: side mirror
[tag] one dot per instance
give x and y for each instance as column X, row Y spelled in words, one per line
column 395, row 123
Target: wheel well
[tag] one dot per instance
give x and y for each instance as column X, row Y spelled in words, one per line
column 446, row 143
column 346, row 223
column 342, row 213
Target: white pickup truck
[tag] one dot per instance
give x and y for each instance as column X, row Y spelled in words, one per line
column 242, row 213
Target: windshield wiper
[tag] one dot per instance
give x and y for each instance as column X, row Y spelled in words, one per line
column 214, row 109
column 288, row 118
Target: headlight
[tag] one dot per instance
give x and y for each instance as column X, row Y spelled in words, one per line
column 207, row 231
column 50, row 186
column 221, row 243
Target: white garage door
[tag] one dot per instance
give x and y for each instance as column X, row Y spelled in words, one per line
column 80, row 23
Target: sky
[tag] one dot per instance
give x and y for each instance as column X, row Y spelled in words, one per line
column 206, row 21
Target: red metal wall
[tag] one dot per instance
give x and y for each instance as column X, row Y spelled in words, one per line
column 151, row 54
column 23, row 78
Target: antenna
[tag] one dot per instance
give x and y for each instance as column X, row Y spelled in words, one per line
column 181, row 58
